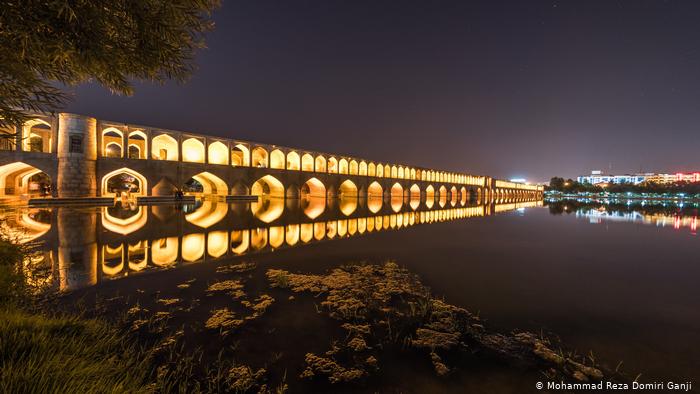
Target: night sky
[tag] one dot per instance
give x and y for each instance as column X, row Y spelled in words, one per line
column 526, row 89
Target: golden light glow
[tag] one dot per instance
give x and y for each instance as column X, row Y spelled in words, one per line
column 193, row 247
column 193, row 151
column 218, row 153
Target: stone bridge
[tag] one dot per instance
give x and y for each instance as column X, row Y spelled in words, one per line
column 74, row 156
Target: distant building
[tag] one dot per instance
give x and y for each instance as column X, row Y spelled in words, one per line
column 597, row 177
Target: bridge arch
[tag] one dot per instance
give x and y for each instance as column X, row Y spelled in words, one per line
column 124, row 179
column 354, row 170
column 363, row 168
column 313, row 198
column 218, row 153
column 320, row 164
column 380, row 171
column 442, row 194
column 36, row 135
column 307, row 162
column 414, row 196
column 164, row 147
column 259, row 157
column 277, row 160
column 429, row 196
column 464, row 195
column 333, row 165
column 112, row 139
column 375, row 195
column 396, row 194
column 20, row 178
column 400, row 173
column 293, row 161
column 270, row 204
column 137, row 145
column 193, row 150
column 371, row 169
column 208, row 183
column 343, row 166
column 387, row 171
column 453, row 196
column 348, row 197
column 240, row 156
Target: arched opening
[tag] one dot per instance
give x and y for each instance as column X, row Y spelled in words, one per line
column 205, row 183
column 217, row 243
column 387, row 171
column 414, row 196
column 313, row 198
column 239, row 241
column 374, row 197
column 413, row 174
column 343, row 166
column 371, row 169
column 291, row 234
column 307, row 162
column 270, row 204
column 259, row 157
column 22, row 179
column 396, row 197
column 348, row 197
column 112, row 139
column 36, row 135
column 401, row 173
column 394, row 172
column 137, row 145
column 164, row 251
column 193, row 150
column 164, row 147
column 453, row 196
column 258, row 238
column 277, row 159
column 293, row 161
column 239, row 189
column 240, row 156
column 276, row 236
column 121, row 220
column 363, row 168
column 380, row 171
column 463, row 195
column 192, row 247
column 333, row 165
column 320, row 164
column 124, row 180
column 218, row 153
column 429, row 196
column 442, row 196
column 354, row 170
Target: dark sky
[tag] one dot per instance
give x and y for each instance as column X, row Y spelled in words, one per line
column 508, row 89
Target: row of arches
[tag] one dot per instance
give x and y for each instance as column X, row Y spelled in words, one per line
column 193, row 150
column 36, row 135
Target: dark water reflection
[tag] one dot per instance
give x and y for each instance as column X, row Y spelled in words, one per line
column 616, row 278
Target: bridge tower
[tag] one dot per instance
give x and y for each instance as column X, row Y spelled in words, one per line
column 77, row 156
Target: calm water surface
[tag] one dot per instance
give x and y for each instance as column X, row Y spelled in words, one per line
column 617, row 279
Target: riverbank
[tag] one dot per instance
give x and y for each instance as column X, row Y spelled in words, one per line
column 250, row 329
column 624, row 197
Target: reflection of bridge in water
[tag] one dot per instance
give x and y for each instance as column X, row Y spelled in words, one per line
column 80, row 247
column 70, row 156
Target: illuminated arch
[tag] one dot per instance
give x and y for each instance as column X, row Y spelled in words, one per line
column 112, row 142
column 138, row 188
column 320, row 164
column 400, row 173
column 429, row 196
column 259, row 157
column 414, row 196
column 137, row 145
column 453, row 196
column 333, row 165
column 293, row 161
column 348, row 197
column 353, row 167
column 443, row 196
column 270, row 205
column 258, row 238
column 396, row 194
column 276, row 236
column 371, row 169
column 363, row 169
column 413, row 174
column 343, row 166
column 277, row 159
column 240, row 156
column 387, row 171
column 375, row 195
column 307, row 162
column 193, row 150
column 164, row 147
column 36, row 135
column 313, row 195
column 291, row 234
column 394, row 172
column 464, row 195
column 380, row 171
column 218, row 153
column 211, row 184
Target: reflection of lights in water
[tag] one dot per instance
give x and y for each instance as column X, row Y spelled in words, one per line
column 306, row 232
column 276, row 236
column 193, row 247
column 112, row 259
column 208, row 214
column 313, row 207
column 374, row 204
column 258, row 238
column 239, row 241
column 138, row 259
column 217, row 243
column 348, row 205
column 164, row 251
column 396, row 204
column 292, row 234
column 268, row 209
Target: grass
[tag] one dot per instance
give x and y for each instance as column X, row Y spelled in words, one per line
column 41, row 354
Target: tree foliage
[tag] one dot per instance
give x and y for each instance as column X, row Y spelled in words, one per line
column 49, row 43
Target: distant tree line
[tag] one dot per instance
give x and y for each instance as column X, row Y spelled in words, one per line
column 571, row 186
